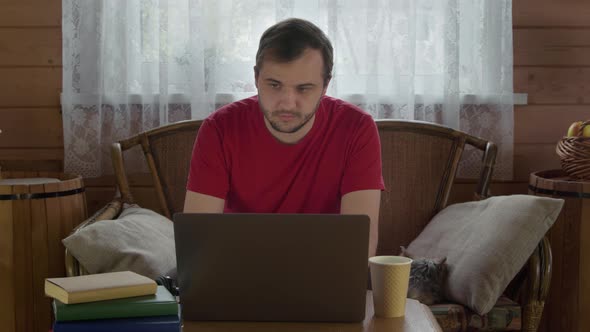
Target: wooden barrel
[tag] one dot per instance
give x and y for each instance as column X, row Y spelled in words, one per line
column 568, row 303
column 37, row 210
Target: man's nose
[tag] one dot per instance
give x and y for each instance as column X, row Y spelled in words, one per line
column 288, row 99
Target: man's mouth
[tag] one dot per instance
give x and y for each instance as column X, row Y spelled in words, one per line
column 286, row 116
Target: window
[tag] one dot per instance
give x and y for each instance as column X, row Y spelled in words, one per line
column 152, row 62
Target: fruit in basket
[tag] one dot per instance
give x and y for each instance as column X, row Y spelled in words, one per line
column 574, row 150
column 575, row 129
column 579, row 128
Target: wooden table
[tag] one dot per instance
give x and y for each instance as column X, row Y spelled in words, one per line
column 418, row 318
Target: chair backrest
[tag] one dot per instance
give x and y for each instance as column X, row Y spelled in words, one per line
column 420, row 161
column 168, row 151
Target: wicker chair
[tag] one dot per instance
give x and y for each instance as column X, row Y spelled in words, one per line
column 420, row 161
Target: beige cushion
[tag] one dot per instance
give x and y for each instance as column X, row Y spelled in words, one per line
column 486, row 243
column 140, row 240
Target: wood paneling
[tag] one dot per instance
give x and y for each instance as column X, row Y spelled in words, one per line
column 546, row 124
column 27, row 165
column 97, row 197
column 533, row 157
column 27, row 87
column 30, row 47
column 30, row 13
column 32, row 154
column 547, row 85
column 135, row 180
column 31, row 127
column 554, row 47
column 550, row 13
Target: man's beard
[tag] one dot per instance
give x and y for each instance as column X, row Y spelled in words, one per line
column 276, row 124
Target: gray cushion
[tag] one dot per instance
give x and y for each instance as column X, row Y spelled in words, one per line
column 139, row 240
column 486, row 243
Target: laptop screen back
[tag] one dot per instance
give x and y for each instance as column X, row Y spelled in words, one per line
column 272, row 267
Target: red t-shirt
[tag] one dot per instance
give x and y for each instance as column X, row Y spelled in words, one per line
column 237, row 159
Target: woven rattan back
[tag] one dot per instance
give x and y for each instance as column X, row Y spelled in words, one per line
column 419, row 165
column 167, row 151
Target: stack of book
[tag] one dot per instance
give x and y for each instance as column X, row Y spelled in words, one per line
column 114, row 302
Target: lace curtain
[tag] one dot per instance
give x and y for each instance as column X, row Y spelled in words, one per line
column 129, row 66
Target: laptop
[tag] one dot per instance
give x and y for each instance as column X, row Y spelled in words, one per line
column 272, row 267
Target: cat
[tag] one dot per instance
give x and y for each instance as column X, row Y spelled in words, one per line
column 427, row 279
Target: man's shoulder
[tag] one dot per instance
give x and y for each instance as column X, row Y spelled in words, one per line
column 235, row 111
column 343, row 111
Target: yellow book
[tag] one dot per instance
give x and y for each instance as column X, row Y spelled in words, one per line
column 99, row 287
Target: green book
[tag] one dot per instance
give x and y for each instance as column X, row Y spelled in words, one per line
column 160, row 304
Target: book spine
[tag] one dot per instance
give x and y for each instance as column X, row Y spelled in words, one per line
column 112, row 293
column 74, row 312
column 151, row 324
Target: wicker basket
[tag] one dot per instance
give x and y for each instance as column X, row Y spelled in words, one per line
column 574, row 153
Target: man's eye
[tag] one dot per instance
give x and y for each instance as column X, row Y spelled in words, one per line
column 304, row 89
column 273, row 85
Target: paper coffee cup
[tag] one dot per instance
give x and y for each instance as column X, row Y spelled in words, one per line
column 390, row 276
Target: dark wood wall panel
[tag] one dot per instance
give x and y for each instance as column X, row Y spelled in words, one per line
column 533, row 157
column 35, row 46
column 30, row 86
column 554, row 86
column 550, row 13
column 31, row 127
column 552, row 47
column 30, row 13
column 545, row 124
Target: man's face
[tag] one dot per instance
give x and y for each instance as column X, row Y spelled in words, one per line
column 289, row 92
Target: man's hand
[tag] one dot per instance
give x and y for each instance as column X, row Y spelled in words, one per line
column 201, row 203
column 364, row 202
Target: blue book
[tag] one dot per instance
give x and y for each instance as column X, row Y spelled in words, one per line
column 138, row 324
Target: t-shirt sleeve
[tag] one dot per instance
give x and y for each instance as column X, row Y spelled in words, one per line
column 363, row 169
column 208, row 172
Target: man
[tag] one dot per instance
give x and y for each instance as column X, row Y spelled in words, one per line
column 291, row 149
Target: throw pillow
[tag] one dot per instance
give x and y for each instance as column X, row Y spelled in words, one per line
column 486, row 243
column 139, row 240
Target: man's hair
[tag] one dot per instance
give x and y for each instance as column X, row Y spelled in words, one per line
column 286, row 41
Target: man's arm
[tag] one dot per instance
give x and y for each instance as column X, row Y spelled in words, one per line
column 201, row 203
column 364, row 202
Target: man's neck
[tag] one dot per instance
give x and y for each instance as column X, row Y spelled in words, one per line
column 290, row 138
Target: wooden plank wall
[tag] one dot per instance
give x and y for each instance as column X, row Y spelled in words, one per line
column 551, row 63
column 30, row 82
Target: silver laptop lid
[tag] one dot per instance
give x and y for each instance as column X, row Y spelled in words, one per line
column 272, row 267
